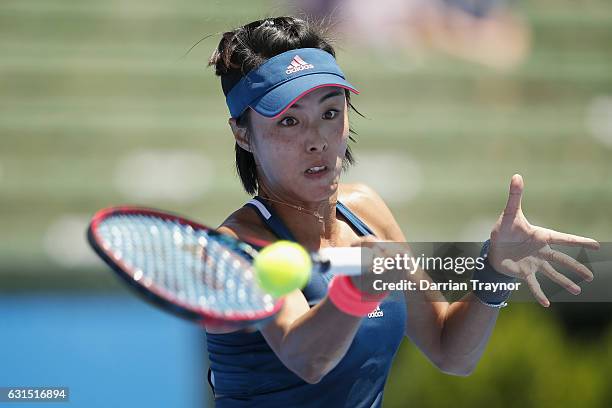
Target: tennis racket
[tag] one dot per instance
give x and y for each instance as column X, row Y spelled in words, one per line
column 192, row 270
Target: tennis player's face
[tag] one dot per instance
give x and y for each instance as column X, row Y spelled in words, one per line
column 299, row 154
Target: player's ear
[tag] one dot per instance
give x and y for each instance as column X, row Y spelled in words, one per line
column 240, row 134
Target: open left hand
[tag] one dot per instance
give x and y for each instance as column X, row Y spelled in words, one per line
column 520, row 249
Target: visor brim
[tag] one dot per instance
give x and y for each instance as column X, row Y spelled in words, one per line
column 280, row 99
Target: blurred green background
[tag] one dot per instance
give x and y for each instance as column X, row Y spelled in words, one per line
column 100, row 104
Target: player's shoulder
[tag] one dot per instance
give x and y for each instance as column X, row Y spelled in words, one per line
column 368, row 205
column 361, row 197
column 358, row 193
column 245, row 224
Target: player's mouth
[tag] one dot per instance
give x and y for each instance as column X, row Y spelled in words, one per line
column 316, row 171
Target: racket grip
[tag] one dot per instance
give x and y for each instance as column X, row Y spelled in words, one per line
column 344, row 261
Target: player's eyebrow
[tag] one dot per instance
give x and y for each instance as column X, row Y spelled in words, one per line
column 323, row 99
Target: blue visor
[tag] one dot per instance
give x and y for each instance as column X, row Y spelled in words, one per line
column 277, row 84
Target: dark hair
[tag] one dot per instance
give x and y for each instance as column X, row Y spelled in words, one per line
column 249, row 46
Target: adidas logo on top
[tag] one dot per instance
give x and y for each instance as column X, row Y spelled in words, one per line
column 376, row 313
column 297, row 64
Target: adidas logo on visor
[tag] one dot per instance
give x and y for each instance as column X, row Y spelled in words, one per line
column 297, row 64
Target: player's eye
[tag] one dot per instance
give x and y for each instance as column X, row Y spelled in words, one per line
column 288, row 121
column 330, row 114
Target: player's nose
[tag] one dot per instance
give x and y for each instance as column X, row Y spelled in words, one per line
column 316, row 142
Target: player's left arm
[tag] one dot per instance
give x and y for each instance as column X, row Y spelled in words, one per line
column 452, row 336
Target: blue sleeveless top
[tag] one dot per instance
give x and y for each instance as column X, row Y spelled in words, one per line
column 245, row 372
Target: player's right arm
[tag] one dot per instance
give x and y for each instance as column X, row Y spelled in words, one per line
column 309, row 341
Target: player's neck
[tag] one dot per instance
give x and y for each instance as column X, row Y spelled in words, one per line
column 312, row 223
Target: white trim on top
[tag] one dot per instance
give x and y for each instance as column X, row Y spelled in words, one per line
column 262, row 208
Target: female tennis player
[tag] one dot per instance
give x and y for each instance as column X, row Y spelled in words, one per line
column 289, row 103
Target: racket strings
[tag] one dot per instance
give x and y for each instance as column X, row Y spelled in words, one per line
column 201, row 269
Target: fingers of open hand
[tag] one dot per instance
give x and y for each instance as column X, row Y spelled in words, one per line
column 561, row 238
column 559, row 278
column 534, row 287
column 560, row 258
column 513, row 205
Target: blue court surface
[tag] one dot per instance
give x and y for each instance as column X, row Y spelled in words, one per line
column 110, row 350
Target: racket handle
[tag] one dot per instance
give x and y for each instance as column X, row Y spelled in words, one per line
column 343, row 261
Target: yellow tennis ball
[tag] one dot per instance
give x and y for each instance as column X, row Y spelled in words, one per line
column 283, row 267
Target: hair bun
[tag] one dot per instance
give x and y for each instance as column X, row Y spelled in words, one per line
column 247, row 47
